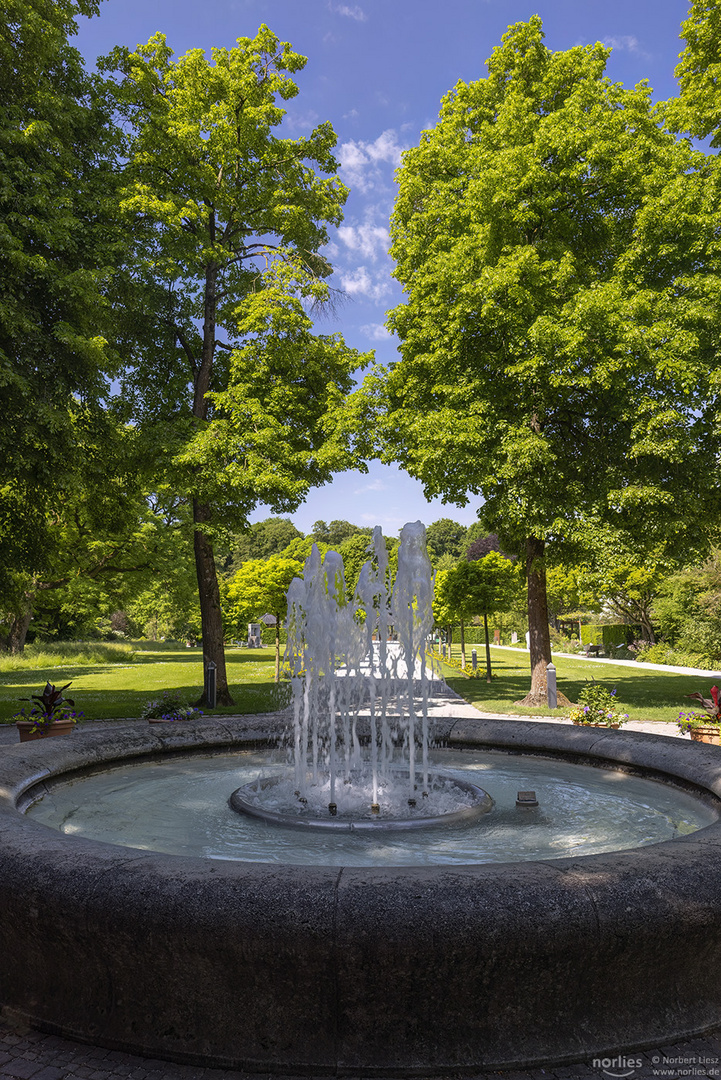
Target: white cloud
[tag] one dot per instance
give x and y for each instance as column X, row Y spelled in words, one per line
column 368, row 240
column 626, row 43
column 363, row 162
column 302, row 121
column 354, row 12
column 375, row 485
column 359, row 282
column 375, row 332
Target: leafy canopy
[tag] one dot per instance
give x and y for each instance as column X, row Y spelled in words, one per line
column 560, row 254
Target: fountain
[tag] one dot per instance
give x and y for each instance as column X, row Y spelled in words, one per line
column 349, row 967
column 336, row 783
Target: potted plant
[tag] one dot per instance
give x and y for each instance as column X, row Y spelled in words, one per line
column 168, row 708
column 597, row 708
column 706, row 726
column 49, row 715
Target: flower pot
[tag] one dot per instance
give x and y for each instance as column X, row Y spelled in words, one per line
column 707, row 734
column 56, row 727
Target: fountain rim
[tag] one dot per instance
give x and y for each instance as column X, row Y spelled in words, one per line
column 628, row 931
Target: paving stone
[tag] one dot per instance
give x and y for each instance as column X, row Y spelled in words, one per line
column 22, row 1069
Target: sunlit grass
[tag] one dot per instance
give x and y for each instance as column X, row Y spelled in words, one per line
column 111, row 691
column 68, row 653
column 643, row 694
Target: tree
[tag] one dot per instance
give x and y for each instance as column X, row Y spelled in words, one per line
column 697, row 110
column 58, row 248
column 560, row 257
column 445, row 537
column 264, row 538
column 259, row 586
column 105, row 533
column 228, row 221
column 479, row 587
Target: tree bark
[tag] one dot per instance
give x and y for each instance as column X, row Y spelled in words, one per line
column 539, row 637
column 463, row 645
column 489, row 676
column 210, row 611
column 14, row 641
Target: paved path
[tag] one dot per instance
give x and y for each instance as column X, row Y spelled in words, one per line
column 26, row 1054
column 660, row 669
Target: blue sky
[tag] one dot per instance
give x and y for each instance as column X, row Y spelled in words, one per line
column 377, row 69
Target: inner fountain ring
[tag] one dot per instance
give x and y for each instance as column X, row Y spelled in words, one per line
column 242, row 801
column 360, row 971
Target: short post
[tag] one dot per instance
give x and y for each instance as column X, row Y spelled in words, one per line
column 474, row 659
column 551, row 686
column 210, row 691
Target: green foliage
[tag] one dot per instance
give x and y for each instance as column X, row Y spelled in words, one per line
column 609, row 635
column 268, row 537
column 597, row 705
column 58, row 250
column 697, row 110
column 479, row 587
column 445, row 537
column 65, row 654
column 560, row 255
column 169, row 706
column 258, row 587
column 687, row 611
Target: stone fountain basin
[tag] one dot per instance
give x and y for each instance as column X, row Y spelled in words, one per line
column 358, row 971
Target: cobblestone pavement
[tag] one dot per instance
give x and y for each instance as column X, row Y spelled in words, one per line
column 27, row 1054
column 31, row 1055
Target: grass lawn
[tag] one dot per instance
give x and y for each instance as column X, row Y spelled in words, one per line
column 107, row 691
column 643, row 694
column 118, row 691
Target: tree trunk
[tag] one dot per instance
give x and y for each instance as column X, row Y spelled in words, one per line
column 489, row 676
column 210, row 613
column 463, row 644
column 539, row 637
column 14, row 641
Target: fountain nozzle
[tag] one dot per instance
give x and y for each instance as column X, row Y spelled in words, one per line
column 375, row 808
column 332, row 809
column 411, row 802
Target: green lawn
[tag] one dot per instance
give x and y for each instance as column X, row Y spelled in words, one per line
column 117, row 691
column 643, row 694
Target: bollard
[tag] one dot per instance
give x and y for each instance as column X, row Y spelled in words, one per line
column 210, row 691
column 551, row 685
column 474, row 659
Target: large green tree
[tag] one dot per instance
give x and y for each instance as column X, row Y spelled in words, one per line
column 697, row 109
column 229, row 219
column 58, row 245
column 560, row 254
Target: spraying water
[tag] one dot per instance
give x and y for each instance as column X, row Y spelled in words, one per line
column 362, row 658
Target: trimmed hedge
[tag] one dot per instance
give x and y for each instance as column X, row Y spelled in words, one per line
column 609, row 635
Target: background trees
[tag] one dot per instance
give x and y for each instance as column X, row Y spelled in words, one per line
column 560, row 254
column 58, row 245
column 228, row 220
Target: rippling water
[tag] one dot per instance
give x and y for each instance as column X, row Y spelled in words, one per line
column 180, row 806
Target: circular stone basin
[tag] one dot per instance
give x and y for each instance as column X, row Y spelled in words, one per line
column 449, row 801
column 360, row 970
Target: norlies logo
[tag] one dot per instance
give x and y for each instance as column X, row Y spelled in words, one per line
column 617, row 1066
